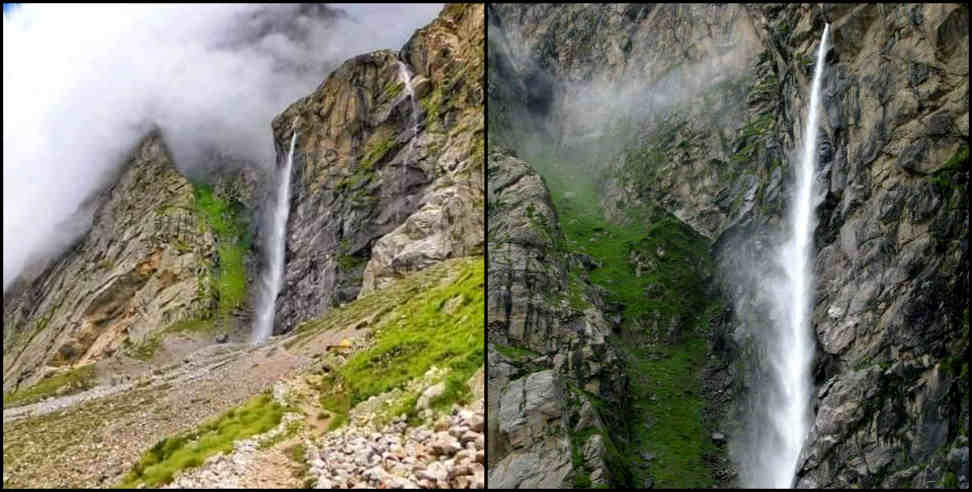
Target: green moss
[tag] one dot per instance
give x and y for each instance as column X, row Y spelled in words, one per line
column 432, row 104
column 159, row 465
column 350, row 262
column 944, row 178
column 69, row 382
column 514, row 353
column 950, row 481
column 373, row 154
column 669, row 398
column 393, row 89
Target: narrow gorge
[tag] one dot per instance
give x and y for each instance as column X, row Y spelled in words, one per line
column 728, row 245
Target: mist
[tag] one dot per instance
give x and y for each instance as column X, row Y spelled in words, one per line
column 82, row 83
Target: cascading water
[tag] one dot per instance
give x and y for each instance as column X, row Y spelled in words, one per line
column 791, row 358
column 407, row 79
column 276, row 244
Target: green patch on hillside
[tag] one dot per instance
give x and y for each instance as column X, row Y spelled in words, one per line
column 374, row 152
column 514, row 353
column 225, row 218
column 654, row 270
column 439, row 326
column 159, row 465
column 673, row 257
column 393, row 89
column 946, row 179
column 668, row 404
column 67, row 383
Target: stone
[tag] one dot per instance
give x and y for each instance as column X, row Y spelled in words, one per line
column 468, row 436
column 445, row 444
column 458, row 432
column 477, row 423
column 434, row 472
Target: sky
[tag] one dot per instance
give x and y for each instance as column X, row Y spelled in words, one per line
column 82, row 83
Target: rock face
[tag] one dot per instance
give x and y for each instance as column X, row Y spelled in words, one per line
column 699, row 109
column 145, row 264
column 371, row 198
column 544, row 353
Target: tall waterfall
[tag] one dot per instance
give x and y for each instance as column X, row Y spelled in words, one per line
column 407, row 79
column 792, row 356
column 276, row 244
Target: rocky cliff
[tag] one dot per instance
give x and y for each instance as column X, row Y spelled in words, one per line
column 697, row 111
column 150, row 260
column 548, row 358
column 373, row 196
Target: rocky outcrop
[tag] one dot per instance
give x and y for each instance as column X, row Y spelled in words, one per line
column 699, row 109
column 145, row 264
column 373, row 199
column 548, row 358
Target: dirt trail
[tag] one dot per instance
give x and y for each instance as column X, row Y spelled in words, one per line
column 91, row 439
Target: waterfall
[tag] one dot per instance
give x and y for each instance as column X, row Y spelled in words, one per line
column 792, row 357
column 407, row 79
column 274, row 250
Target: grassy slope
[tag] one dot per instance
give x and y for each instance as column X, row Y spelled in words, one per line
column 225, row 218
column 429, row 323
column 667, row 418
column 74, row 380
column 159, row 465
column 440, row 326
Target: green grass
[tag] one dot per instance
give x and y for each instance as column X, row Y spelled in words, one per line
column 192, row 326
column 226, row 219
column 75, row 380
column 293, row 427
column 664, row 371
column 159, row 465
column 679, row 272
column 417, row 334
column 666, row 390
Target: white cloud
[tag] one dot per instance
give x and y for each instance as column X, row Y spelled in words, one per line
column 81, row 83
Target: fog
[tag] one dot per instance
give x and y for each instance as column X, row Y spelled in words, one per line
column 82, row 83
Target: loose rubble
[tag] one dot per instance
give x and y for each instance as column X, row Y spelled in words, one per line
column 446, row 454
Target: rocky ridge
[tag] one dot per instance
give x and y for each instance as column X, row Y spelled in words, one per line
column 547, row 355
column 145, row 264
